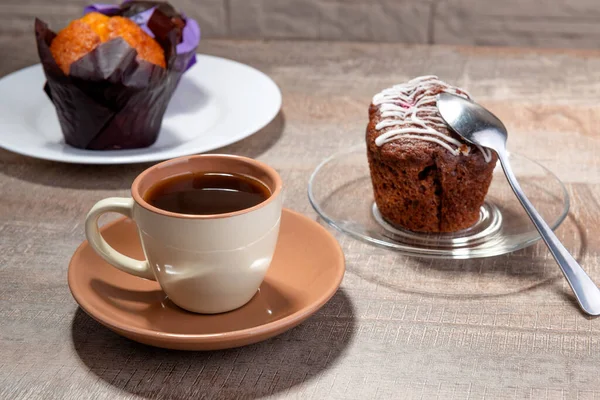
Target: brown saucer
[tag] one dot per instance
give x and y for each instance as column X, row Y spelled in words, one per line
column 306, row 271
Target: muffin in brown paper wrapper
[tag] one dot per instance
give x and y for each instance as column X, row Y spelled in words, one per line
column 110, row 99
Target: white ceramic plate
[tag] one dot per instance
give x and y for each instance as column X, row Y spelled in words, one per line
column 217, row 102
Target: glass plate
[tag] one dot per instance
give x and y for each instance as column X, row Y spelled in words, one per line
column 340, row 191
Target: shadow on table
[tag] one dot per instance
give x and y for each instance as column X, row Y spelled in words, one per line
column 254, row 371
column 116, row 177
column 256, row 145
column 498, row 276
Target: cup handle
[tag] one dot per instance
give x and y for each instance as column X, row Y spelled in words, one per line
column 121, row 205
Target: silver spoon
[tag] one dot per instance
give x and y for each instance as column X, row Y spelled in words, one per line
column 479, row 126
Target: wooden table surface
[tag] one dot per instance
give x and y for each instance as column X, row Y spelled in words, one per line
column 399, row 327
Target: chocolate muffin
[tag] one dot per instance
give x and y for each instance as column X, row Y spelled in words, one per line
column 425, row 177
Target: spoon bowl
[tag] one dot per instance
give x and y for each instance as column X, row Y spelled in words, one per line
column 472, row 122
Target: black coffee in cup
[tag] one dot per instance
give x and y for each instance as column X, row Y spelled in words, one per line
column 207, row 193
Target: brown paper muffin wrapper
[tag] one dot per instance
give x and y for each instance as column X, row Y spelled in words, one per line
column 111, row 100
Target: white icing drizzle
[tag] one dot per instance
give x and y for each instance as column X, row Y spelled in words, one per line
column 409, row 111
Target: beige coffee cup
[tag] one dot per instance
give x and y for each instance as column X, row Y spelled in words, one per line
column 204, row 263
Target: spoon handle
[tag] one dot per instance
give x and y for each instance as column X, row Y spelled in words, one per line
column 586, row 291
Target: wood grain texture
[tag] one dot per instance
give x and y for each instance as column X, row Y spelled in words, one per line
column 535, row 23
column 404, row 21
column 399, row 327
column 538, row 23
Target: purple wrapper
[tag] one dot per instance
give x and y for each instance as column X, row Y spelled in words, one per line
column 107, row 9
column 190, row 33
column 110, row 99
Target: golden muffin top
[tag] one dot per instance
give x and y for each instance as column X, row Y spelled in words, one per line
column 84, row 34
